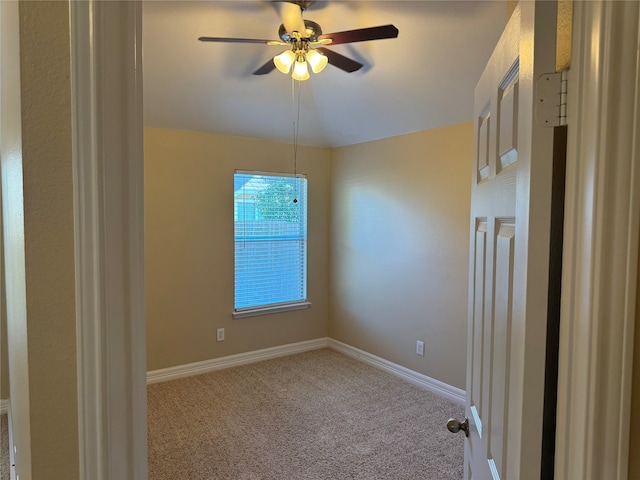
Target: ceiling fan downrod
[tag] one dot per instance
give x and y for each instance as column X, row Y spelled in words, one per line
column 303, row 4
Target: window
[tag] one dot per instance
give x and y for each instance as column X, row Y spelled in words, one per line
column 270, row 231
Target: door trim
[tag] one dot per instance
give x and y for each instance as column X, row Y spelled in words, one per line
column 106, row 90
column 600, row 264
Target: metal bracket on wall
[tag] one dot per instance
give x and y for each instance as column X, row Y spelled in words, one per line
column 551, row 99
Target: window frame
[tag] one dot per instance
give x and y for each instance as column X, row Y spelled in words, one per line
column 266, row 309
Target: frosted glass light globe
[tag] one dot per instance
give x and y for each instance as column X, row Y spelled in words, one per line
column 317, row 61
column 300, row 71
column 284, row 61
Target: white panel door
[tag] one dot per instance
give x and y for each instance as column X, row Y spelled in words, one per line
column 509, row 256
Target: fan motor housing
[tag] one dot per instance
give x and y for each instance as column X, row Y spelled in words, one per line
column 313, row 31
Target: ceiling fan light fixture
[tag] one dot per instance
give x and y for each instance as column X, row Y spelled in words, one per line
column 317, row 60
column 300, row 70
column 284, row 61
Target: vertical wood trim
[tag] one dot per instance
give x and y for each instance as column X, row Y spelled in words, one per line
column 87, row 246
column 601, row 243
column 108, row 198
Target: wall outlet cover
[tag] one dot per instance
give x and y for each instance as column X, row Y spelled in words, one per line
column 420, row 348
column 220, row 336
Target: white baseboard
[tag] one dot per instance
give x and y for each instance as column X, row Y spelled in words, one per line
column 4, row 406
column 198, row 368
column 423, row 381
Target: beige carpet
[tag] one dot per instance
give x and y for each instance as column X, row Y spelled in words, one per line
column 315, row 415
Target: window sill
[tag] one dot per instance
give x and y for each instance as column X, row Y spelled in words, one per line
column 254, row 312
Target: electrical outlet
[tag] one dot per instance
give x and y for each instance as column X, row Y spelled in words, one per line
column 420, row 348
column 220, row 337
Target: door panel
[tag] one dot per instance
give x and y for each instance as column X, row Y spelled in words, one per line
column 509, row 255
column 501, row 330
column 508, row 118
column 484, row 133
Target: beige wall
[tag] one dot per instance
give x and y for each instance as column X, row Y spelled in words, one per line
column 563, row 40
column 400, row 239
column 189, row 246
column 400, row 219
column 511, row 6
column 39, row 235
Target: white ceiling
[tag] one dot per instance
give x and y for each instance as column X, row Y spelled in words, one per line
column 423, row 79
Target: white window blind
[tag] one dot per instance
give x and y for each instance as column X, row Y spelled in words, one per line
column 270, row 230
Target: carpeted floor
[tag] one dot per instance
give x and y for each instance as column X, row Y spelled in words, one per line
column 315, row 415
column 4, row 448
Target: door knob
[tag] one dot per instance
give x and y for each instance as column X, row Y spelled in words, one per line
column 454, row 426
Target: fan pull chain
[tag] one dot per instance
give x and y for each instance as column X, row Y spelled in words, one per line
column 295, row 105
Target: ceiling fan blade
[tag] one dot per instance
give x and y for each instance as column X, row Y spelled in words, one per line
column 291, row 15
column 233, row 40
column 361, row 34
column 266, row 68
column 340, row 61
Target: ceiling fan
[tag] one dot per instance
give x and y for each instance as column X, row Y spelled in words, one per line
column 307, row 43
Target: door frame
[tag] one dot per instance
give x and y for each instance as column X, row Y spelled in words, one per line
column 107, row 129
column 600, row 267
column 594, row 376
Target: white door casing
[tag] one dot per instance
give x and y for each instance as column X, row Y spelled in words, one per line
column 600, row 260
column 106, row 84
column 509, row 252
